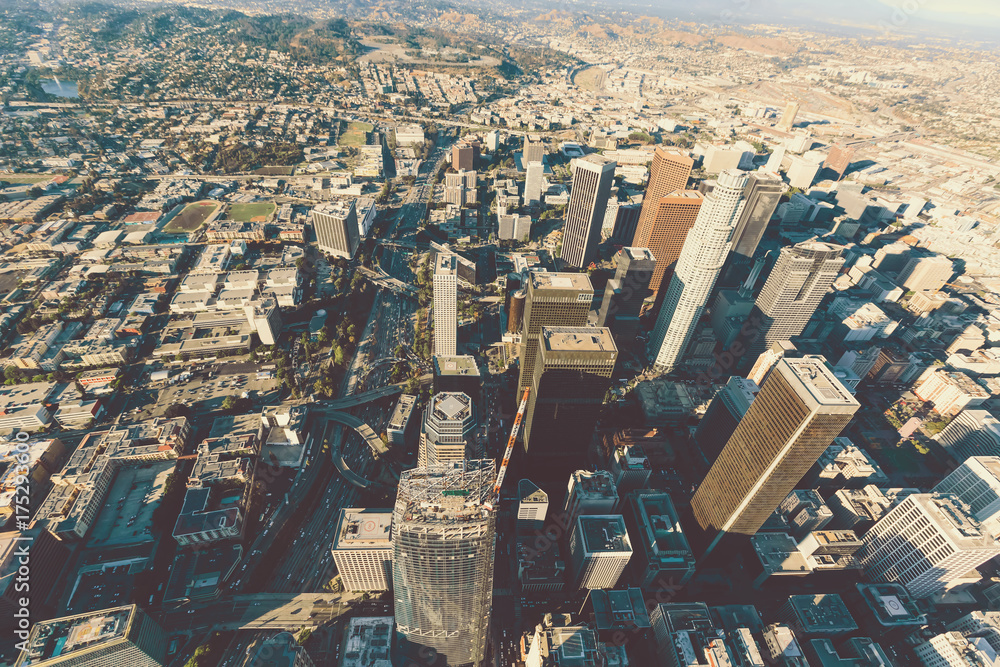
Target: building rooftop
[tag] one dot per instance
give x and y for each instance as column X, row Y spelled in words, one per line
column 445, row 495
column 662, row 526
column 338, row 208
column 63, row 637
column 779, row 553
column 368, row 642
column 451, row 406
column 604, row 533
column 456, row 365
column 576, row 282
column 578, row 339
column 446, row 264
column 819, row 382
column 529, row 493
column 823, row 613
column 619, row 610
column 363, row 528
column 598, row 483
column 636, row 253
column 891, row 605
column 401, row 413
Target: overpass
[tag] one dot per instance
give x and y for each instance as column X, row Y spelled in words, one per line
column 356, row 400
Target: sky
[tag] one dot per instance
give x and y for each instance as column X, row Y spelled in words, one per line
column 967, row 8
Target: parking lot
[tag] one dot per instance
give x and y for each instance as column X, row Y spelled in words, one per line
column 203, row 394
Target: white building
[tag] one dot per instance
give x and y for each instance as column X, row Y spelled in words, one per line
column 336, row 227
column 977, row 483
column 532, row 505
column 600, row 549
column 951, row 392
column 702, row 257
column 925, row 543
column 362, row 549
column 951, row 649
column 446, row 305
column 533, row 180
column 407, row 135
column 971, row 433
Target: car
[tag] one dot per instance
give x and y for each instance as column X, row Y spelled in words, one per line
column 190, row 611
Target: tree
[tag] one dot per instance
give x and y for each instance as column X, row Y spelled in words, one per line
column 12, row 373
column 177, row 410
column 228, row 402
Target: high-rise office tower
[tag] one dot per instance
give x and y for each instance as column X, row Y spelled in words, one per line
column 588, row 201
column 533, row 151
column 704, row 253
column 762, row 195
column 445, row 304
column 554, row 300
column 464, row 155
column 362, row 549
column 572, row 373
column 532, row 505
column 798, row 282
column 788, row 117
column 977, row 484
column 444, row 539
column 336, row 227
column 589, row 493
column 625, row 223
column 925, row 273
column 669, row 173
column 800, row 409
column 971, row 433
column 122, row 636
column 662, row 559
column 769, row 358
column 665, row 231
column 449, row 430
column 533, row 181
column 600, row 548
column 774, row 162
column 624, row 294
column 924, row 543
column 723, row 415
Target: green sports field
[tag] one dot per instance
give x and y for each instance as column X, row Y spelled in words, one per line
column 250, row 212
column 191, row 218
column 356, row 134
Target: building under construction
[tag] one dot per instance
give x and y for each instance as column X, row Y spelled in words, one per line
column 444, row 538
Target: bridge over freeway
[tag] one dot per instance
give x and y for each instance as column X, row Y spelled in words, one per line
column 277, row 611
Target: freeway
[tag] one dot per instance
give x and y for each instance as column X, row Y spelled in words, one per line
column 359, row 399
column 371, row 438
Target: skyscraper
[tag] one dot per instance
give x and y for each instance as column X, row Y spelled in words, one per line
column 723, row 415
column 589, row 493
column 669, row 173
column 798, row 282
column 625, row 293
column 704, row 253
column 445, row 304
column 336, row 227
column 788, row 117
column 362, row 549
column 444, row 539
column 449, row 430
column 924, row 543
column 666, row 230
column 571, row 375
column 464, row 155
column 588, row 201
column 107, row 638
column 532, row 506
column 600, row 549
column 762, row 194
column 555, row 300
column 533, row 183
column 977, row 484
column 533, row 151
column 799, row 410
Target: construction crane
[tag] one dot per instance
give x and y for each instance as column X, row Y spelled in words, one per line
column 495, row 495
